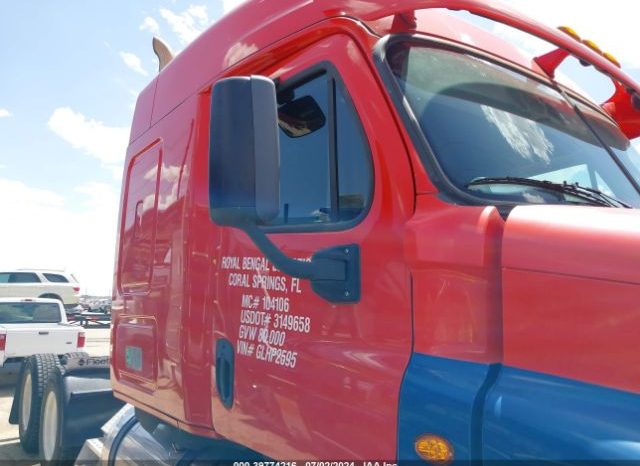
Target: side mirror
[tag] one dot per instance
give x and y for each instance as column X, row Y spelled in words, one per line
column 244, row 154
column 244, row 179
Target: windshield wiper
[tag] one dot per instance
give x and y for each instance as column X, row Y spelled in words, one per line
column 604, row 195
column 591, row 195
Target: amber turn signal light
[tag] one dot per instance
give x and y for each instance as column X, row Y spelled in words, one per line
column 434, row 449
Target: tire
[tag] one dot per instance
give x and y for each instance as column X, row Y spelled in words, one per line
column 35, row 374
column 50, row 442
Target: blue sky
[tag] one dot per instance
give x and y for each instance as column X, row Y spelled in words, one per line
column 69, row 76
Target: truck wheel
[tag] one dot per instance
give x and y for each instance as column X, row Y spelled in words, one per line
column 36, row 371
column 68, row 420
column 52, row 425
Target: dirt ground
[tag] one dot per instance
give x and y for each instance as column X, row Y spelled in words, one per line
column 97, row 345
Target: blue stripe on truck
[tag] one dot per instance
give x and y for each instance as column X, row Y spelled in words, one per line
column 440, row 396
column 533, row 415
column 493, row 412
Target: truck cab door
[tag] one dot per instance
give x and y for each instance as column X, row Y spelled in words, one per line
column 298, row 376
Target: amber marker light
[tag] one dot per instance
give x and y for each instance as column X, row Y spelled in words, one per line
column 612, row 59
column 571, row 32
column 434, row 449
column 592, row 45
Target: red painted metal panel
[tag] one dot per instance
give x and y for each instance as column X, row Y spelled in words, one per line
column 573, row 327
column 258, row 24
column 136, row 362
column 454, row 255
column 196, row 263
column 564, row 239
column 624, row 111
column 570, row 286
column 340, row 398
column 162, row 301
column 144, row 109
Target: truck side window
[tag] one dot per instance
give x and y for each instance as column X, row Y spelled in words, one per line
column 325, row 172
column 139, row 221
column 354, row 170
column 304, row 154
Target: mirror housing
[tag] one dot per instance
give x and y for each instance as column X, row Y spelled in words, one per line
column 244, row 153
column 244, row 181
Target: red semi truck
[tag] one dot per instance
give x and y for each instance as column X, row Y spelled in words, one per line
column 368, row 231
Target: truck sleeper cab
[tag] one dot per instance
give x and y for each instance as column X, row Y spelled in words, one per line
column 399, row 258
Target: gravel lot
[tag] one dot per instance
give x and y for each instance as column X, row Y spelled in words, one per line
column 97, row 345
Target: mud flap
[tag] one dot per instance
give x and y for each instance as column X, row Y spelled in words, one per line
column 13, row 414
column 87, row 403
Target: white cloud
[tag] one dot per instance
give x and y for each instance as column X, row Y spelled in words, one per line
column 44, row 232
column 19, row 193
column 4, row 113
column 100, row 197
column 133, row 62
column 592, row 20
column 199, row 12
column 228, row 5
column 106, row 143
column 151, row 25
column 189, row 24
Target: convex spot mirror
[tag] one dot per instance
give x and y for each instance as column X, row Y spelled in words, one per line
column 244, row 154
column 299, row 117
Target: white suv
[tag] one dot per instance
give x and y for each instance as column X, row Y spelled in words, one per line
column 29, row 283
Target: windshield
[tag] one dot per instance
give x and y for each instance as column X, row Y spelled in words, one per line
column 29, row 313
column 484, row 121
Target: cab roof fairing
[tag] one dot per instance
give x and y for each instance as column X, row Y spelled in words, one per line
column 257, row 24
